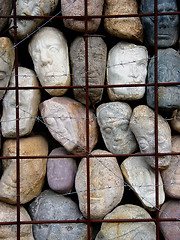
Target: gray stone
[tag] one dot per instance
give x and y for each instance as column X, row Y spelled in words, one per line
column 143, row 127
column 53, row 206
column 167, row 31
column 106, row 184
column 76, row 8
column 171, row 176
column 5, row 9
column 125, row 28
column 66, row 121
column 128, row 230
column 97, row 51
column 168, row 71
column 170, row 229
column 113, row 119
column 61, row 171
column 8, row 213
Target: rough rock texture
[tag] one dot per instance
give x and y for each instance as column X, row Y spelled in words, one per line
column 53, row 206
column 175, row 122
column 61, row 171
column 143, row 127
column 129, row 230
column 8, row 213
column 171, row 176
column 66, row 121
column 5, row 9
column 170, row 230
column 28, row 105
column 76, row 8
column 106, row 184
column 32, row 171
column 97, row 51
column 125, row 28
column 141, row 177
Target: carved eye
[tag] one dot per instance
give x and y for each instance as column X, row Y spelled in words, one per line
column 53, row 49
column 107, row 130
column 144, row 145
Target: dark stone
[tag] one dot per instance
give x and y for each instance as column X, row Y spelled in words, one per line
column 5, row 9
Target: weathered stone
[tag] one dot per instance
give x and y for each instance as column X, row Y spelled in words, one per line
column 167, row 25
column 128, row 230
column 32, row 171
column 168, row 71
column 143, row 127
column 77, row 8
column 125, row 28
column 28, row 104
column 175, row 122
column 53, row 206
column 106, row 184
column 61, row 171
column 5, row 9
column 8, row 213
column 66, row 121
column 170, row 229
column 141, row 177
column 97, row 51
column 127, row 64
column 7, row 57
column 31, row 8
column 171, row 176
column 49, row 52
column 113, row 119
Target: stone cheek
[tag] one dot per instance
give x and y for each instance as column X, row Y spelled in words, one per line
column 32, row 171
column 76, row 8
column 106, row 185
column 97, row 51
column 125, row 28
column 6, row 7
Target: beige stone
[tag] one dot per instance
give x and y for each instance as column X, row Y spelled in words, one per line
column 128, row 230
column 175, row 122
column 32, row 171
column 106, row 184
column 8, row 213
column 125, row 28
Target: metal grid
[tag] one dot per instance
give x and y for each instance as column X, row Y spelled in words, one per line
column 156, row 219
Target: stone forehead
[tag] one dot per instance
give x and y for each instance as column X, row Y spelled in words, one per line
column 41, row 3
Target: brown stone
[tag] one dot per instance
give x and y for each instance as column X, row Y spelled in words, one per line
column 5, row 9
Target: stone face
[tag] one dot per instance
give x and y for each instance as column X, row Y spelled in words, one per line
column 8, row 213
column 171, row 176
column 106, row 184
column 127, row 64
column 77, row 8
column 141, row 177
column 167, row 28
column 170, row 229
column 32, row 171
column 28, row 105
column 113, row 119
column 128, row 230
column 49, row 52
column 61, row 171
column 125, row 28
column 66, row 121
column 97, row 51
column 5, row 9
column 53, row 206
column 143, row 127
column 31, row 8
column 168, row 71
column 175, row 122
column 6, row 62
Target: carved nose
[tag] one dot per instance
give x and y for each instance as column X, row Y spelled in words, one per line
column 45, row 59
column 163, row 22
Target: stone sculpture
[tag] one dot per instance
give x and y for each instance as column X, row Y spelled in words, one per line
column 168, row 71
column 127, row 27
column 49, row 52
column 7, row 57
column 106, row 184
column 175, row 122
column 5, row 9
column 143, row 127
column 31, row 8
column 28, row 104
column 113, row 119
column 167, row 28
column 127, row 64
column 97, row 51
column 66, row 121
